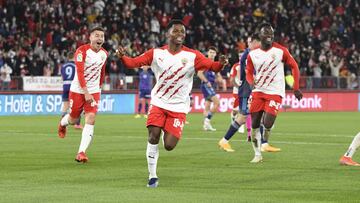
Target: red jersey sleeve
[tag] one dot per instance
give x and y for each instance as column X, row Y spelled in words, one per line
column 249, row 72
column 289, row 60
column 203, row 63
column 80, row 56
column 233, row 71
column 144, row 59
column 102, row 75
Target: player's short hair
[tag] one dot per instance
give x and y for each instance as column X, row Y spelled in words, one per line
column 213, row 48
column 97, row 28
column 70, row 55
column 174, row 22
column 264, row 25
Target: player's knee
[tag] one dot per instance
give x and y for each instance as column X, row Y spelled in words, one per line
column 153, row 139
column 268, row 125
column 240, row 118
column 90, row 118
column 169, row 147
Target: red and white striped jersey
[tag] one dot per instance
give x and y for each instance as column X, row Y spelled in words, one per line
column 174, row 75
column 268, row 67
column 90, row 69
column 233, row 73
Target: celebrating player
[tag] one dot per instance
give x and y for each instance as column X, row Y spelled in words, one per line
column 145, row 83
column 208, row 89
column 174, row 66
column 68, row 73
column 85, row 89
column 243, row 95
column 268, row 85
column 347, row 158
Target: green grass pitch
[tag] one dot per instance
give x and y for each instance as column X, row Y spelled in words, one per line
column 37, row 166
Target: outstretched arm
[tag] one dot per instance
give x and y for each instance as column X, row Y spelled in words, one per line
column 203, row 63
column 137, row 62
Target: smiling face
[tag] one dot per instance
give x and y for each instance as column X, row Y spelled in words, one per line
column 176, row 34
column 97, row 38
column 266, row 36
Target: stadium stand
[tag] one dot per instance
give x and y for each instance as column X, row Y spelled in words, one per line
column 323, row 36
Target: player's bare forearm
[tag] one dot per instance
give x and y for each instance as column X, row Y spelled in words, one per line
column 137, row 62
column 201, row 75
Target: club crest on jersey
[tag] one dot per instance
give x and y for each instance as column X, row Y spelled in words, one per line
column 184, row 61
column 273, row 56
column 79, row 57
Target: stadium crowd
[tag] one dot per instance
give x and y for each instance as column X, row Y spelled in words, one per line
column 35, row 36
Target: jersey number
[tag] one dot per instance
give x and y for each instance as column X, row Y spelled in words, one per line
column 68, row 72
column 177, row 123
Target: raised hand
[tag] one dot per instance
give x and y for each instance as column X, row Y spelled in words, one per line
column 223, row 60
column 298, row 94
column 120, row 52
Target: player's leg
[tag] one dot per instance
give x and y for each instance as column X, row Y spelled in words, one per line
column 212, row 98
column 233, row 128
column 272, row 105
column 235, row 109
column 155, row 122
column 256, row 105
column 78, row 124
column 215, row 100
column 173, row 128
column 256, row 135
column 207, row 101
column 268, row 122
column 65, row 102
column 235, row 125
column 76, row 103
column 141, row 100
column 147, row 100
column 152, row 154
column 347, row 158
column 65, row 108
column 207, row 116
column 208, row 93
column 248, row 127
column 87, row 134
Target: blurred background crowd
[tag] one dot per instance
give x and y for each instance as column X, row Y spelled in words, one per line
column 323, row 36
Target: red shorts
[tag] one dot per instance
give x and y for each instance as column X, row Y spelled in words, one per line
column 265, row 102
column 171, row 122
column 77, row 104
column 236, row 101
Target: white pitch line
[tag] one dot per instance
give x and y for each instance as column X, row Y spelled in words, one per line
column 200, row 138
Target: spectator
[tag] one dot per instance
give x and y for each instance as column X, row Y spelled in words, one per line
column 48, row 29
column 5, row 71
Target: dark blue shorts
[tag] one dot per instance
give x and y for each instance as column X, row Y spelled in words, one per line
column 145, row 94
column 243, row 105
column 208, row 92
